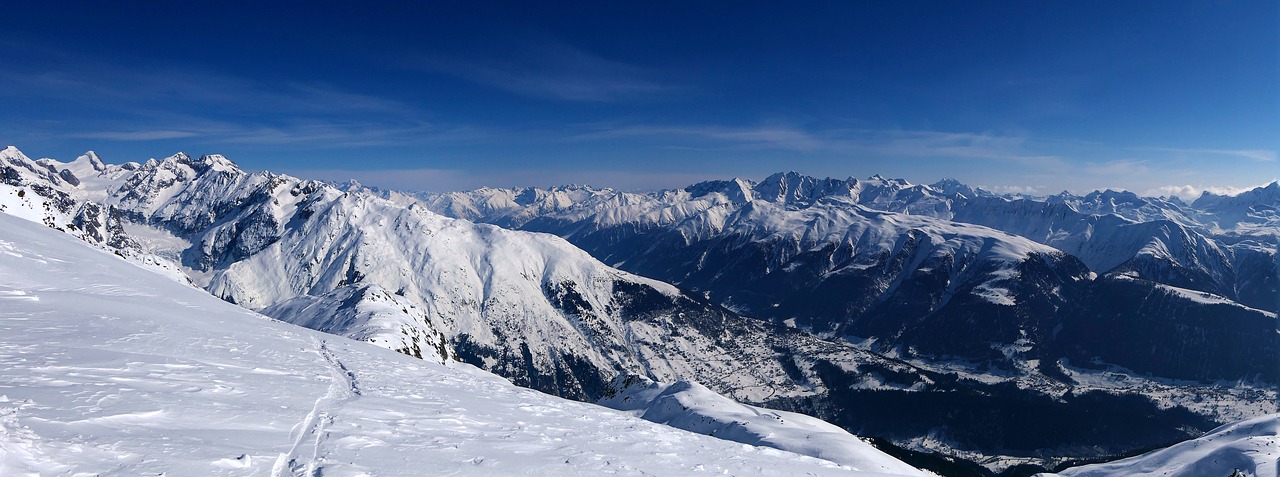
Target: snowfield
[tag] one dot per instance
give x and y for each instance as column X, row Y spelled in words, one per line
column 107, row 368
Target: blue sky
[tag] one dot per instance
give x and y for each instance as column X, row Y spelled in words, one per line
column 1154, row 97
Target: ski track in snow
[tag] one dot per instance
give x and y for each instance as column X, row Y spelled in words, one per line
column 311, row 432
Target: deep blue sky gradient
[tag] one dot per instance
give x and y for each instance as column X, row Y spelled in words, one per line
column 1155, row 97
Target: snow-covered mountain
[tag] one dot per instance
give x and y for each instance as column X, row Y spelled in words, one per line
column 1247, row 448
column 1211, row 245
column 111, row 369
column 530, row 307
column 916, row 265
column 536, row 309
column 41, row 192
column 1253, row 212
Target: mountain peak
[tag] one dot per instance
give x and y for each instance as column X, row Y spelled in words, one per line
column 219, row 162
column 794, row 187
column 207, row 162
column 952, row 187
column 784, row 176
column 92, row 160
column 737, row 190
column 12, row 152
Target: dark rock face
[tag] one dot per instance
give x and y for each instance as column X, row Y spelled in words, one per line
column 69, row 178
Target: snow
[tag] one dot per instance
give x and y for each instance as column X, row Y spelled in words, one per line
column 109, row 369
column 693, row 407
column 1207, row 298
column 1251, row 446
column 23, row 203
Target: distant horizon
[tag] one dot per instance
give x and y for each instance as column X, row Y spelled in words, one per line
column 347, row 176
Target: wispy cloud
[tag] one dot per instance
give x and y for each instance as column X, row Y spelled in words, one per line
column 552, row 70
column 733, row 137
column 319, row 133
column 851, row 142
column 149, row 135
column 1259, row 155
column 444, row 180
column 111, row 87
column 87, row 98
column 1117, row 168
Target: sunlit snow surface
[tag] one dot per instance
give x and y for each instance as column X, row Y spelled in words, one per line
column 107, row 368
column 1251, row 446
column 693, row 407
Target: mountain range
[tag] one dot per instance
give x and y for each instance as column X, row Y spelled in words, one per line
column 912, row 266
column 937, row 318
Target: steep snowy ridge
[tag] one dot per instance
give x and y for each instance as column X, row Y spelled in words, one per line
column 109, row 369
column 1251, row 446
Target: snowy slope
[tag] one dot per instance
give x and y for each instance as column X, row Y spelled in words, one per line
column 1251, row 446
column 693, row 407
column 110, row 369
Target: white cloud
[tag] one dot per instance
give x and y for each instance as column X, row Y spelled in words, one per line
column 1190, row 192
column 1259, row 155
column 144, row 135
